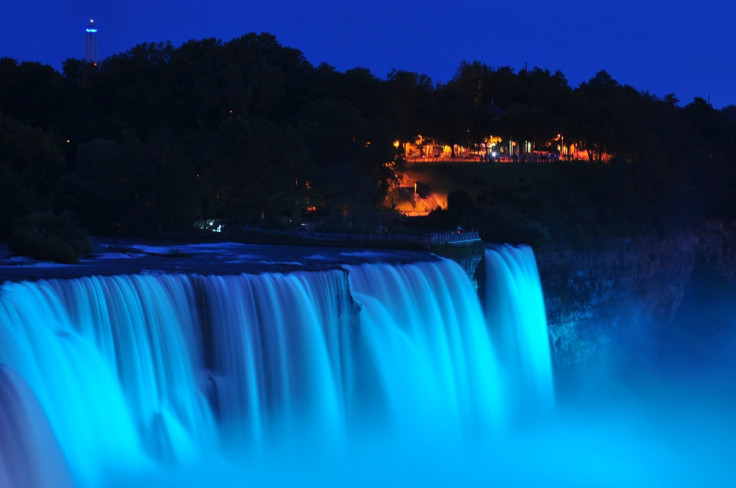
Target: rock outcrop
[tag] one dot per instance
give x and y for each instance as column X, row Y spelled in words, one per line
column 625, row 291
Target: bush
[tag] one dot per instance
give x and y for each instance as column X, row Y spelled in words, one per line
column 49, row 237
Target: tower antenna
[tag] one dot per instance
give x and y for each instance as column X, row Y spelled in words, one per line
column 91, row 43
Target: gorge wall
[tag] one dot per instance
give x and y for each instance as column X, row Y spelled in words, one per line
column 628, row 294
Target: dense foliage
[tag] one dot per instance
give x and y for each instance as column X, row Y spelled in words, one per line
column 673, row 167
column 159, row 137
column 50, row 238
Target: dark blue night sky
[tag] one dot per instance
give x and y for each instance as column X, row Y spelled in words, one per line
column 685, row 47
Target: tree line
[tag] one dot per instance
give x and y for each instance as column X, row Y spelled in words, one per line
column 158, row 137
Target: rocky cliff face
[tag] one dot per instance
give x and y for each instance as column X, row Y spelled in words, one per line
column 626, row 292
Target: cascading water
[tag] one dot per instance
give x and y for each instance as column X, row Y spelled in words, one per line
column 514, row 310
column 131, row 373
column 277, row 349
column 423, row 332
column 29, row 451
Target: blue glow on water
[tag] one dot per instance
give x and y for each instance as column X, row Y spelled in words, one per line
column 373, row 374
column 423, row 332
column 278, row 365
column 29, row 451
column 514, row 308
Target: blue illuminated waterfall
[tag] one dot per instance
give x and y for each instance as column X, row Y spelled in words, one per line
column 515, row 313
column 107, row 375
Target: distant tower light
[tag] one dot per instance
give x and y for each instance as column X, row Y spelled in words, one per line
column 91, row 43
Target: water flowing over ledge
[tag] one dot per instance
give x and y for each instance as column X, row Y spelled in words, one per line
column 135, row 373
column 360, row 372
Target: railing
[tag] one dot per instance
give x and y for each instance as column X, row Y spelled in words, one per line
column 461, row 237
column 455, row 237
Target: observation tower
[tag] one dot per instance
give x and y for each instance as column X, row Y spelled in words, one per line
column 91, row 44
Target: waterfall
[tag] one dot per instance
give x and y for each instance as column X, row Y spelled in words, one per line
column 121, row 374
column 423, row 331
column 515, row 313
column 279, row 349
column 29, row 451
